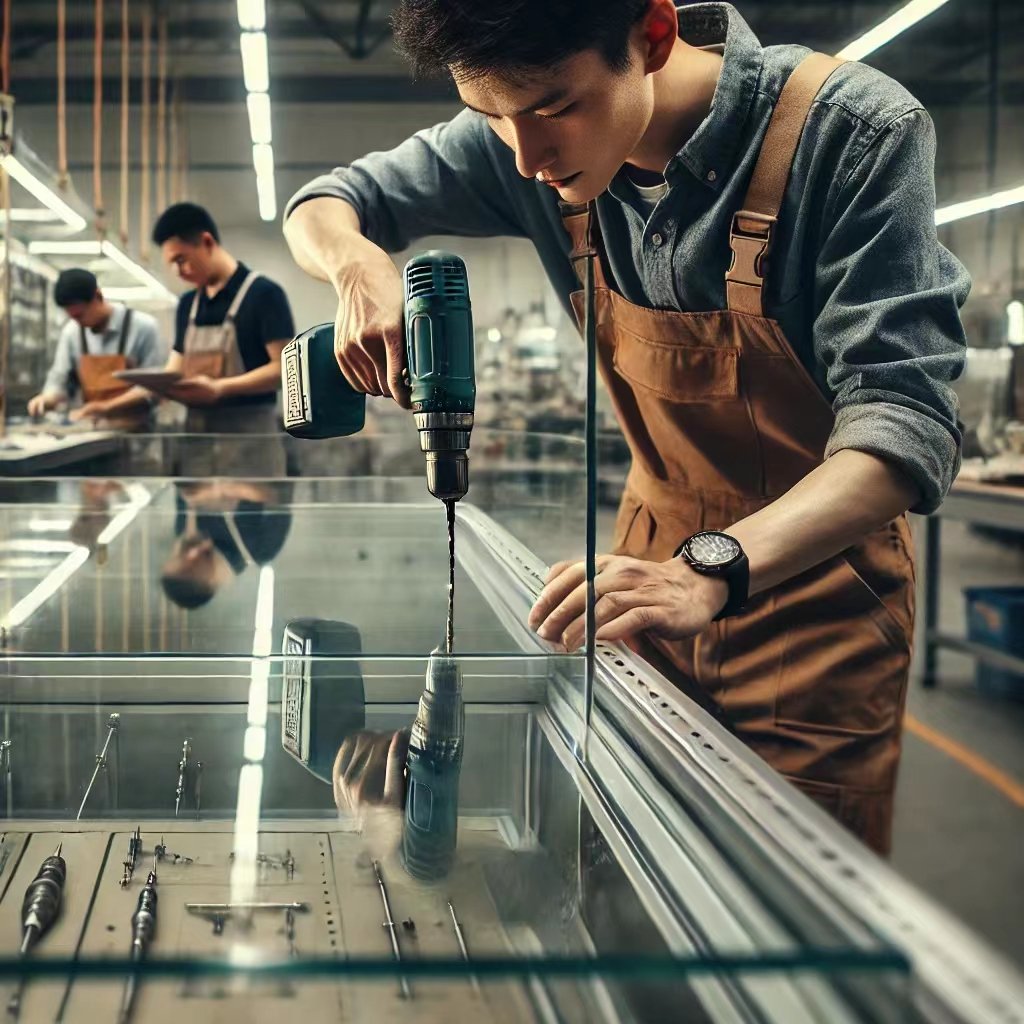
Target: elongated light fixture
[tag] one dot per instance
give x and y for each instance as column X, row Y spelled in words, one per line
column 983, row 204
column 884, row 32
column 107, row 249
column 42, row 192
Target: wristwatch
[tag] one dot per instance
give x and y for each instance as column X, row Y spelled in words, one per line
column 711, row 553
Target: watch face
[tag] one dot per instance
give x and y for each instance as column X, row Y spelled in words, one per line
column 713, row 549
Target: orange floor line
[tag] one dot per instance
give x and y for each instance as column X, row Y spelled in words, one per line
column 1008, row 786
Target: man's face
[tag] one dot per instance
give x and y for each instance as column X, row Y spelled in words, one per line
column 189, row 260
column 572, row 127
column 88, row 314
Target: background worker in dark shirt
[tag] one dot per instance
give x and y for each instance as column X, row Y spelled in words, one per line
column 229, row 331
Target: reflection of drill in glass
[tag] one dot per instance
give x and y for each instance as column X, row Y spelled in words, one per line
column 435, row 760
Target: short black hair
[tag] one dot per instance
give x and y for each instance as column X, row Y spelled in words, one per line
column 75, row 285
column 186, row 221
column 511, row 37
column 185, row 592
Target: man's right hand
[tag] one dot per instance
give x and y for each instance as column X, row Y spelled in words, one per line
column 369, row 336
column 41, row 403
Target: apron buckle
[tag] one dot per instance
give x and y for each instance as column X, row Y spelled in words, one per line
column 750, row 237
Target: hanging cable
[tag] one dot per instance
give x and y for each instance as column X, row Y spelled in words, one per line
column 175, row 145
column 97, row 123
column 125, row 98
column 147, row 32
column 62, row 95
column 5, row 50
column 161, row 113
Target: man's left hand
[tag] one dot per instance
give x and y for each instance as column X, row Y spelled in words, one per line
column 197, row 391
column 667, row 599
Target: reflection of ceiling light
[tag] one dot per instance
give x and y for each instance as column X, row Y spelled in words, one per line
column 983, row 204
column 39, row 547
column 53, row 202
column 252, row 14
column 1015, row 323
column 494, row 334
column 49, row 525
column 111, row 252
column 31, row 216
column 884, row 32
column 255, row 66
column 44, row 590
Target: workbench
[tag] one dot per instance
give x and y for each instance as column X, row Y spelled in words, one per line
column 980, row 504
column 36, row 453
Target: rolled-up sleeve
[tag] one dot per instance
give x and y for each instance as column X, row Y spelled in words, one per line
column 887, row 324
column 442, row 181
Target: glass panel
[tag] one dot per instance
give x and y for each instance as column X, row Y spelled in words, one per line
column 276, row 729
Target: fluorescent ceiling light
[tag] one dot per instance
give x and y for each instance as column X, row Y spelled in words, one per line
column 266, row 192
column 255, row 67
column 266, row 196
column 252, row 15
column 53, row 202
column 983, row 204
column 909, row 14
column 49, row 525
column 259, row 117
column 106, row 249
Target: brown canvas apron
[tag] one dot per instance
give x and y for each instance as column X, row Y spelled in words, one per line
column 212, row 350
column 96, row 372
column 722, row 418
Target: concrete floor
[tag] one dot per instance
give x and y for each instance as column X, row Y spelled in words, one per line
column 957, row 836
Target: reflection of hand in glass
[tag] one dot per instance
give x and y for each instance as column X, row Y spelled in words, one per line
column 94, row 513
column 369, row 770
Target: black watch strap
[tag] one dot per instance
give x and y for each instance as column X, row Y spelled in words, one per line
column 737, row 578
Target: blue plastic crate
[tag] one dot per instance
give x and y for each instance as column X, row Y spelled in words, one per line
column 995, row 617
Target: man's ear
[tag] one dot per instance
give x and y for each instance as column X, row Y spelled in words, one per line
column 659, row 29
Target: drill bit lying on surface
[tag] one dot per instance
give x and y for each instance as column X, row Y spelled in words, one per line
column 134, row 849
column 389, row 925
column 39, row 910
column 186, row 748
column 143, row 929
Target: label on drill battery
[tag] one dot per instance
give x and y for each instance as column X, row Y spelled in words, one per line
column 295, row 386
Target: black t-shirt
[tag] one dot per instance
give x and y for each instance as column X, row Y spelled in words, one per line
column 263, row 317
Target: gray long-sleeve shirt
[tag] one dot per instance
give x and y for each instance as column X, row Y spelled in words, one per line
column 858, row 280
column 142, row 346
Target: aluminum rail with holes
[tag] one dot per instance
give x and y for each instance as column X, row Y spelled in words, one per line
column 717, row 813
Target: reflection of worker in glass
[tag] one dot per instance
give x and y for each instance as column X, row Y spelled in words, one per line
column 99, row 338
column 221, row 528
column 95, row 511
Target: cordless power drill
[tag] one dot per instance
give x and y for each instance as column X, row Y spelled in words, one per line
column 319, row 402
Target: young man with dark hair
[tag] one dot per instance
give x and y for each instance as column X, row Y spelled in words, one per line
column 777, row 325
column 99, row 338
column 229, row 331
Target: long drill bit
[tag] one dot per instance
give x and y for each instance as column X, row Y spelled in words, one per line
column 5, row 755
column 38, row 911
column 389, row 925
column 101, row 760
column 462, row 947
column 182, row 769
column 143, row 928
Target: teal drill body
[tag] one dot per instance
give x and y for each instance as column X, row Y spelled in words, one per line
column 319, row 402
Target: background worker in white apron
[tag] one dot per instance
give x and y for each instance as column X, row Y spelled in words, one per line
column 99, row 338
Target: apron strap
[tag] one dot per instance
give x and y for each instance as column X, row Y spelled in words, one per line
column 581, row 225
column 125, row 324
column 750, row 236
column 82, row 341
column 236, row 305
column 194, row 311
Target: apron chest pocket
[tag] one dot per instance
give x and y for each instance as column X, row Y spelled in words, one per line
column 679, row 373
